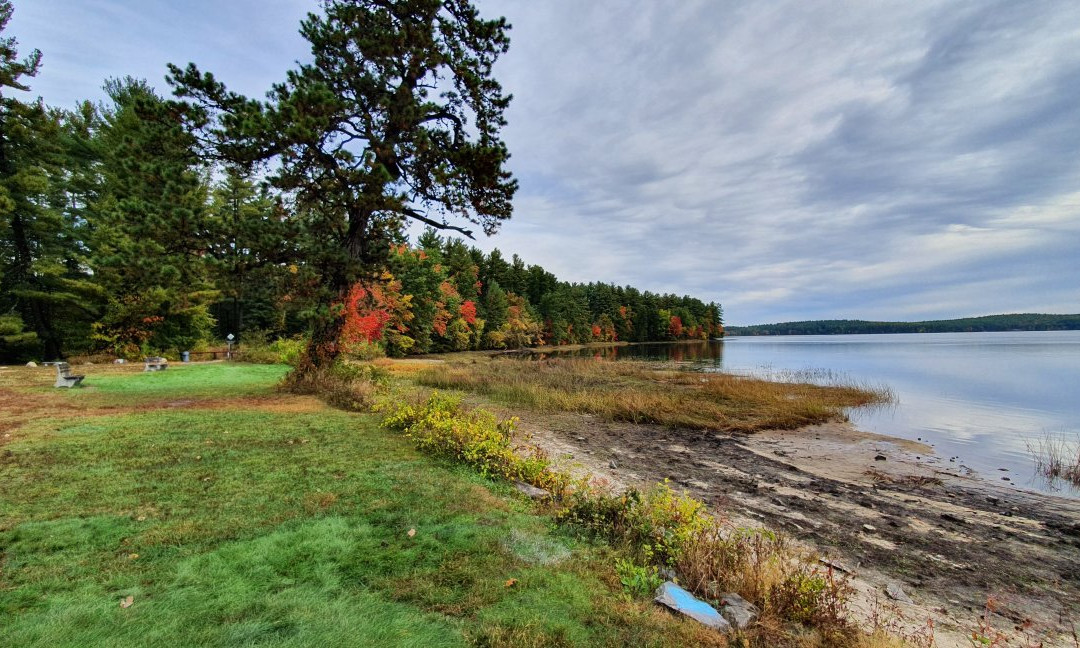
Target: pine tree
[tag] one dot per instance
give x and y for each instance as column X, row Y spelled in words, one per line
column 45, row 292
column 151, row 225
column 396, row 118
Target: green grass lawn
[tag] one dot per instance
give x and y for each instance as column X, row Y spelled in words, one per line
column 235, row 515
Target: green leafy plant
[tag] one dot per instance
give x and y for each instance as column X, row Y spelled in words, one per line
column 639, row 581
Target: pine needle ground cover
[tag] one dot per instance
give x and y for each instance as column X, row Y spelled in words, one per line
column 199, row 506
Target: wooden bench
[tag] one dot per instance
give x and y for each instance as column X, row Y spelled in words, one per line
column 64, row 377
column 156, row 363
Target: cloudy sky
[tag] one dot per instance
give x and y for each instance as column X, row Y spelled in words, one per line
column 791, row 160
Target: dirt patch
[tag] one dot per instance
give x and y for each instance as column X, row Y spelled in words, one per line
column 18, row 407
column 884, row 507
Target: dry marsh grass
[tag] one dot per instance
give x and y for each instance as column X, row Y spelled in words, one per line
column 634, row 392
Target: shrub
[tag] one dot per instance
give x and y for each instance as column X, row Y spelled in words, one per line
column 344, row 385
column 659, row 523
column 442, row 425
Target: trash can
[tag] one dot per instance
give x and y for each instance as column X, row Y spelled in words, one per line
column 185, row 356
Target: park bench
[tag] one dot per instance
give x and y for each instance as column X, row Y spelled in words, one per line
column 64, row 377
column 156, row 363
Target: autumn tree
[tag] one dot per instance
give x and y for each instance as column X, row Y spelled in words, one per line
column 396, row 118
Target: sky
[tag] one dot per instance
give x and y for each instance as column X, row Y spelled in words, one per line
column 887, row 160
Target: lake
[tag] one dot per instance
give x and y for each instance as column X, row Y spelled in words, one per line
column 977, row 398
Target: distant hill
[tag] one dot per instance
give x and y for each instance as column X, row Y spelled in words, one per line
column 1013, row 322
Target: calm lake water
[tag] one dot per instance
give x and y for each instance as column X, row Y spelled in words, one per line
column 977, row 397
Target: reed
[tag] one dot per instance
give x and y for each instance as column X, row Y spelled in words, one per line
column 638, row 393
column 1056, row 458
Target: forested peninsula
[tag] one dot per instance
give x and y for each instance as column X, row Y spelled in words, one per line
column 1010, row 322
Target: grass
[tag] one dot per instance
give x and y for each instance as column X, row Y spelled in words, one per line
column 233, row 514
column 628, row 391
column 1056, row 458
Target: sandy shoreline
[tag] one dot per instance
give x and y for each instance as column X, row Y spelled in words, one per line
column 952, row 541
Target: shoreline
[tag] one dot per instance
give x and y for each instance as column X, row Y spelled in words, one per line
column 952, row 542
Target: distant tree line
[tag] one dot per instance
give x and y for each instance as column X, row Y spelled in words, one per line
column 443, row 295
column 1011, row 322
column 124, row 229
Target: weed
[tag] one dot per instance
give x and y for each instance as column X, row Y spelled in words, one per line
column 639, row 581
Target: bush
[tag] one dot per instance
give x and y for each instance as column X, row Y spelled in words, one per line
column 281, row 351
column 659, row 523
column 344, row 385
column 443, row 426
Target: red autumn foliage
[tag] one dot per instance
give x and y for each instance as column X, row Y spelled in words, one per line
column 468, row 312
column 675, row 327
column 365, row 315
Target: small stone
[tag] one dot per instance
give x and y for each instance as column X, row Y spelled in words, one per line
column 869, row 527
column 531, row 491
column 676, row 598
column 580, row 438
column 896, row 593
column 737, row 611
column 611, row 464
column 881, row 457
column 1005, row 479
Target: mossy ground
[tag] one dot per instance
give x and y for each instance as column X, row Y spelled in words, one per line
column 233, row 514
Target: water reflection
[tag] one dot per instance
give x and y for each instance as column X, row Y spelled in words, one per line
column 710, row 352
column 978, row 398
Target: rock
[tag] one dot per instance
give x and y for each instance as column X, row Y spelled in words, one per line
column 580, row 438
column 611, row 464
column 531, row 491
column 667, row 573
column 881, row 457
column 676, row 598
column 993, row 500
column 869, row 527
column 896, row 593
column 737, row 611
column 838, row 566
column 953, row 518
column 119, row 361
column 31, row 364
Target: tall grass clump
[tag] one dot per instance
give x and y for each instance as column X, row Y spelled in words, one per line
column 1056, row 458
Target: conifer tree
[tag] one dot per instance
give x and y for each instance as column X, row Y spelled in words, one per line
column 396, row 118
column 43, row 284
column 151, row 225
